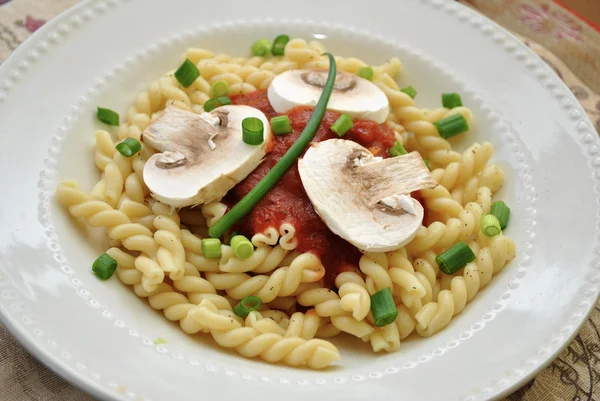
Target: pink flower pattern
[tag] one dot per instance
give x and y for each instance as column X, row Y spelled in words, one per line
column 558, row 24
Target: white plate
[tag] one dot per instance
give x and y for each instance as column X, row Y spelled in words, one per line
column 100, row 336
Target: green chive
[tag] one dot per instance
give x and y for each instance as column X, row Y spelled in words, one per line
column 259, row 191
column 279, row 43
column 213, row 103
column 452, row 126
column 247, row 305
column 107, row 116
column 342, row 125
column 410, row 91
column 502, row 213
column 281, row 125
column 253, row 130
column 129, row 147
column 426, row 161
column 211, row 248
column 490, row 225
column 451, row 100
column 397, row 150
column 242, row 247
column 219, row 88
column 261, row 47
column 104, row 267
column 455, row 258
column 366, row 73
column 187, row 73
column 233, row 234
column 383, row 307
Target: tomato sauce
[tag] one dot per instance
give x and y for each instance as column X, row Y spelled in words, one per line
column 287, row 201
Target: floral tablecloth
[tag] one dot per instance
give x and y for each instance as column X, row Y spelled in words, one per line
column 546, row 26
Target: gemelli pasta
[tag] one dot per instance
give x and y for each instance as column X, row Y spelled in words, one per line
column 312, row 278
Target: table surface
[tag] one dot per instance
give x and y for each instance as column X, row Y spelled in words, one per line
column 550, row 29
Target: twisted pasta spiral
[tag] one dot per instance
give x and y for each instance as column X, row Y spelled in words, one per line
column 284, row 281
column 434, row 316
column 272, row 347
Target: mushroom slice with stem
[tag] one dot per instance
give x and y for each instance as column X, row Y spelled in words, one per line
column 365, row 199
column 351, row 94
column 202, row 156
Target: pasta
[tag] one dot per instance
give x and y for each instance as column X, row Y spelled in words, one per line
column 160, row 253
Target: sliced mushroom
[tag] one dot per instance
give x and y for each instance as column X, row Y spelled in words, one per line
column 365, row 199
column 351, row 94
column 202, row 156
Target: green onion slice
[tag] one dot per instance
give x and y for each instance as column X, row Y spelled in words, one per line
column 455, row 258
column 253, row 130
column 104, row 267
column 242, row 247
column 213, row 103
column 342, row 125
column 452, row 126
column 107, row 116
column 281, row 125
column 397, row 150
column 365, row 72
column 410, row 91
column 244, row 206
column 211, row 248
column 490, row 225
column 383, row 307
column 187, row 73
column 219, row 88
column 426, row 161
column 502, row 213
column 279, row 43
column 247, row 305
column 451, row 100
column 129, row 147
column 261, row 47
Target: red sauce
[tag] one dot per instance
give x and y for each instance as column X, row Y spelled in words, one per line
column 287, row 201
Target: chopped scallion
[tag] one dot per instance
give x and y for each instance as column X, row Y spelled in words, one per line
column 253, row 130
column 502, row 213
column 490, row 225
column 451, row 100
column 281, row 125
column 455, row 258
column 219, row 88
column 397, row 150
column 107, row 116
column 213, row 103
column 279, row 43
column 129, row 147
column 365, row 72
column 104, row 267
column 383, row 307
column 259, row 191
column 159, row 341
column 233, row 234
column 410, row 91
column 247, row 305
column 452, row 126
column 211, row 248
column 426, row 161
column 261, row 47
column 242, row 247
column 342, row 125
column 187, row 73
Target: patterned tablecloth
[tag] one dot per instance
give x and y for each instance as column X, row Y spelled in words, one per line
column 549, row 29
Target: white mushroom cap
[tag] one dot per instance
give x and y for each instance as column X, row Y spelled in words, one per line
column 203, row 156
column 352, row 94
column 365, row 199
